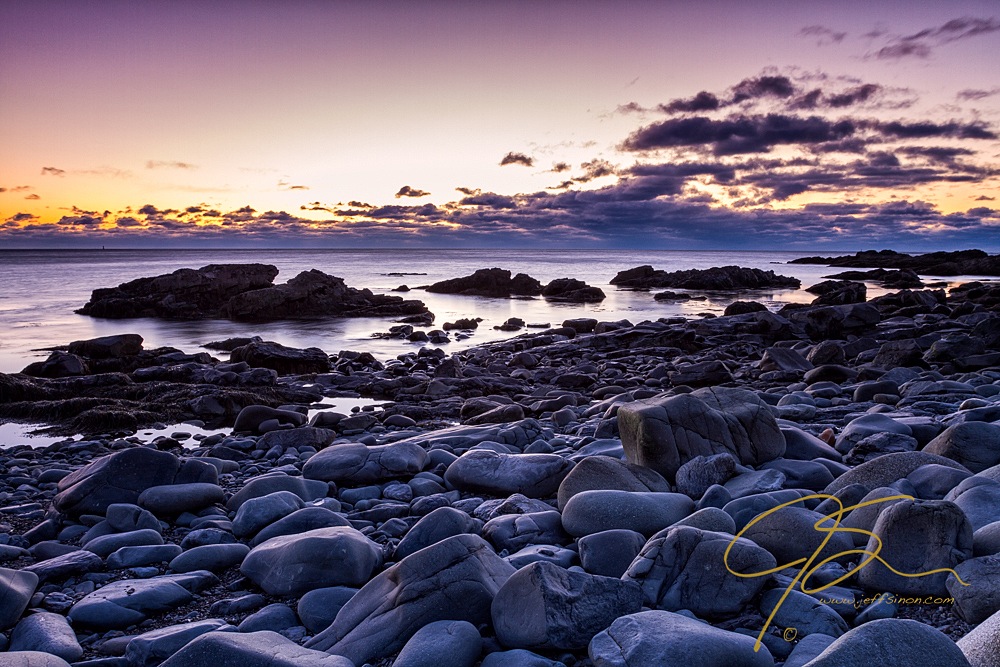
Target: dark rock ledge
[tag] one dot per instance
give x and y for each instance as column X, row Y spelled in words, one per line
column 243, row 292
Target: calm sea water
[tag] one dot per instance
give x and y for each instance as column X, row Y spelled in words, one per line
column 39, row 290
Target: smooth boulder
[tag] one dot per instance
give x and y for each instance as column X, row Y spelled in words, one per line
column 891, row 642
column 544, row 606
column 662, row 639
column 486, row 471
column 663, row 433
column 296, row 564
column 455, row 579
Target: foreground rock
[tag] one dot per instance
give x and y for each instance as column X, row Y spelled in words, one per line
column 122, row 477
column 665, row 433
column 320, row 558
column 255, row 649
column 891, row 641
column 455, row 579
column 566, row 609
column 653, row 638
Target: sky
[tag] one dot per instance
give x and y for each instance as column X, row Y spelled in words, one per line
column 324, row 124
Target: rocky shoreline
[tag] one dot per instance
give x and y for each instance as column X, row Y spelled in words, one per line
column 586, row 494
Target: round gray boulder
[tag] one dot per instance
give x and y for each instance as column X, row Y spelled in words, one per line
column 891, row 642
column 644, row 512
column 660, row 638
column 663, row 433
column 685, row 568
column 543, row 606
column 917, row 536
column 486, row 471
column 296, row 564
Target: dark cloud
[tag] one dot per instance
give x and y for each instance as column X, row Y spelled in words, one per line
column 974, row 94
column 79, row 221
column 489, row 200
column 856, row 95
column 703, row 101
column 169, row 164
column 22, row 217
column 763, row 86
column 628, row 214
column 560, row 167
column 804, row 91
column 53, row 171
column 738, row 134
column 285, row 185
column 517, row 158
column 922, row 43
column 596, row 168
column 17, row 188
column 407, row 191
column 471, row 192
column 32, row 197
column 822, row 34
column 945, row 155
column 630, row 107
column 927, row 129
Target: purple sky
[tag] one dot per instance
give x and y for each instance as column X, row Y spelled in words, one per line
column 560, row 124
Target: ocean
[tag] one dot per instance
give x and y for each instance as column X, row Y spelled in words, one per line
column 39, row 290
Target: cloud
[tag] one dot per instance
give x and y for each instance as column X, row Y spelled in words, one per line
column 596, row 168
column 630, row 107
column 629, row 214
column 407, row 191
column 856, row 95
column 469, row 191
column 22, row 217
column 791, row 91
column 113, row 172
column 763, row 86
column 169, row 164
column 738, row 134
column 285, row 185
column 517, row 158
column 703, row 101
column 921, row 44
column 985, row 198
column 489, row 200
column 925, row 129
column 53, row 171
column 822, row 34
column 975, row 94
column 32, row 197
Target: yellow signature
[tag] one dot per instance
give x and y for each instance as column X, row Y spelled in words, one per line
column 808, row 569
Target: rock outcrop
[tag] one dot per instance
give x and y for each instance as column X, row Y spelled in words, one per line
column 493, row 282
column 242, row 292
column 715, row 278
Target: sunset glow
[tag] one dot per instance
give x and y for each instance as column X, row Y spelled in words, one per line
column 363, row 124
